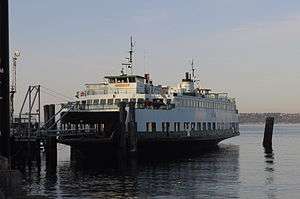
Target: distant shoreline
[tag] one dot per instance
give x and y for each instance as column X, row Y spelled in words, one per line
column 262, row 123
column 282, row 118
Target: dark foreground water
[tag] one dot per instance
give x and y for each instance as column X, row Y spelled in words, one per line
column 239, row 168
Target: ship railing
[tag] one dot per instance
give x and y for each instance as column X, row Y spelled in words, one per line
column 106, row 91
column 79, row 107
column 91, row 107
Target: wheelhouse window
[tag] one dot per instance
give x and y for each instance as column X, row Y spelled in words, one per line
column 110, row 101
column 112, row 80
column 96, row 101
column 122, row 80
column 131, row 79
column 89, row 102
column 132, row 100
column 117, row 101
column 102, row 101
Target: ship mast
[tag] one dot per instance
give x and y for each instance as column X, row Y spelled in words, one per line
column 193, row 70
column 129, row 64
column 194, row 78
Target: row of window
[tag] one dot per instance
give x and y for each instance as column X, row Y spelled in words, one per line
column 204, row 104
column 189, row 126
column 185, row 103
column 111, row 101
column 122, row 80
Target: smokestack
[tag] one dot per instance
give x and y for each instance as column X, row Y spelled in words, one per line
column 147, row 78
column 187, row 76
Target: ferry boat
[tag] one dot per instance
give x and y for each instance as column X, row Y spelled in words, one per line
column 156, row 118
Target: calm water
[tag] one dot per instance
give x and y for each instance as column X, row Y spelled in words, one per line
column 238, row 169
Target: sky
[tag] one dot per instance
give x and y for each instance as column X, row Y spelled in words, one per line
column 248, row 48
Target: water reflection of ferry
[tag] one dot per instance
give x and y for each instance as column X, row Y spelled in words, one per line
column 213, row 174
column 156, row 116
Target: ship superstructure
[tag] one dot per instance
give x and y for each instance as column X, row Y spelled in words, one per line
column 185, row 110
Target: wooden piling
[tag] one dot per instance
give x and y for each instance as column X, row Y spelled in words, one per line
column 46, row 114
column 267, row 141
column 51, row 141
column 132, row 129
column 122, row 135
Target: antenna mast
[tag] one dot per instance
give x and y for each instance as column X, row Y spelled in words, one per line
column 196, row 81
column 193, row 70
column 129, row 64
column 131, row 51
column 13, row 88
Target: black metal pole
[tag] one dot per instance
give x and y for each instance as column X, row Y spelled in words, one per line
column 4, row 79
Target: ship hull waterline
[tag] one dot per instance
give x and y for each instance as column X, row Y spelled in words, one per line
column 155, row 146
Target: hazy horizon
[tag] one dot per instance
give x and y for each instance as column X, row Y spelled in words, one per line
column 246, row 48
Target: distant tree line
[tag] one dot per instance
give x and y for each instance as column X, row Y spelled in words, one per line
column 261, row 117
